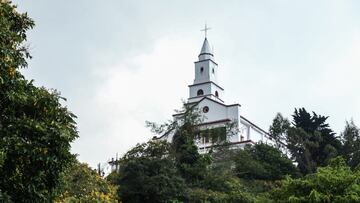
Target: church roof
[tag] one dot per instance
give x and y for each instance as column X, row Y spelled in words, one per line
column 206, row 52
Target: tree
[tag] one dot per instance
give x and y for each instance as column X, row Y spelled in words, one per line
column 190, row 164
column 220, row 184
column 333, row 183
column 263, row 162
column 148, row 174
column 35, row 129
column 351, row 144
column 310, row 141
column 278, row 130
column 80, row 183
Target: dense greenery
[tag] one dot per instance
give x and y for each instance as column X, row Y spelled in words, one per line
column 80, row 183
column 351, row 144
column 333, row 183
column 263, row 162
column 148, row 174
column 191, row 165
column 35, row 129
column 309, row 140
column 279, row 129
column 260, row 172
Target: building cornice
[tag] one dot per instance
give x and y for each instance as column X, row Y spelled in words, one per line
column 206, row 96
column 206, row 60
column 206, row 83
column 197, row 102
column 219, row 102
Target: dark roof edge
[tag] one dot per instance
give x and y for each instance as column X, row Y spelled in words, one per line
column 205, row 96
column 206, row 60
column 206, row 83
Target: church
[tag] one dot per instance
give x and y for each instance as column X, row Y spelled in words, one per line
column 206, row 94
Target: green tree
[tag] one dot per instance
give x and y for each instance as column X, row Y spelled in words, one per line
column 35, row 129
column 351, row 144
column 333, row 183
column 148, row 174
column 190, row 164
column 80, row 183
column 263, row 162
column 310, row 141
column 219, row 185
column 278, row 130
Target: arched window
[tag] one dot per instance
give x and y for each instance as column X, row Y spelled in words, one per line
column 216, row 94
column 200, row 92
column 213, row 70
column 201, row 69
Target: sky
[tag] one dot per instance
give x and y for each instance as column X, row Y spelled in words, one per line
column 120, row 63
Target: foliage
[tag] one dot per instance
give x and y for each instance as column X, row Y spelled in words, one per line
column 263, row 162
column 190, row 164
column 83, row 184
column 35, row 129
column 310, row 141
column 351, row 144
column 219, row 185
column 200, row 195
column 333, row 183
column 205, row 181
column 278, row 130
column 148, row 174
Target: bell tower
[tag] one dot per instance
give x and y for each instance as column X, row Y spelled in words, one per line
column 206, row 76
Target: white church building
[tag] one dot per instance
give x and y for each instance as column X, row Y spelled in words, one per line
column 207, row 95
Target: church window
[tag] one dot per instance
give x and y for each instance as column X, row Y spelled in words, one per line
column 201, row 69
column 216, row 94
column 200, row 92
column 213, row 70
column 205, row 109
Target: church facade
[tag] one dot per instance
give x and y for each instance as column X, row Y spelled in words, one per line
column 207, row 95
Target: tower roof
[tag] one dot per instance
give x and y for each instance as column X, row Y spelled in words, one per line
column 206, row 52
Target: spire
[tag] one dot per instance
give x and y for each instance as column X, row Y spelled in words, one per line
column 206, row 51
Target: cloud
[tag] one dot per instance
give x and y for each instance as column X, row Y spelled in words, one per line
column 144, row 87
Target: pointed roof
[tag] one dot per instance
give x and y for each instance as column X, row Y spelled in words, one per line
column 206, row 48
column 206, row 52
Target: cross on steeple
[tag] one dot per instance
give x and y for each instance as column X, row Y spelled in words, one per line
column 206, row 29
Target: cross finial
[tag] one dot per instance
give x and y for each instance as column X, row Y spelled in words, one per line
column 206, row 29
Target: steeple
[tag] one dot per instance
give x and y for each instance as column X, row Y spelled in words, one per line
column 206, row 52
column 206, row 73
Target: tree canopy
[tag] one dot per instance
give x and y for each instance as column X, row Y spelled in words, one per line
column 309, row 139
column 333, row 183
column 263, row 162
column 80, row 183
column 35, row 129
column 148, row 174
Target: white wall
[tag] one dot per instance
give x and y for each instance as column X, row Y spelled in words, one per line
column 207, row 74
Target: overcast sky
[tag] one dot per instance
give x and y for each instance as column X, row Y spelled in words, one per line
column 120, row 63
